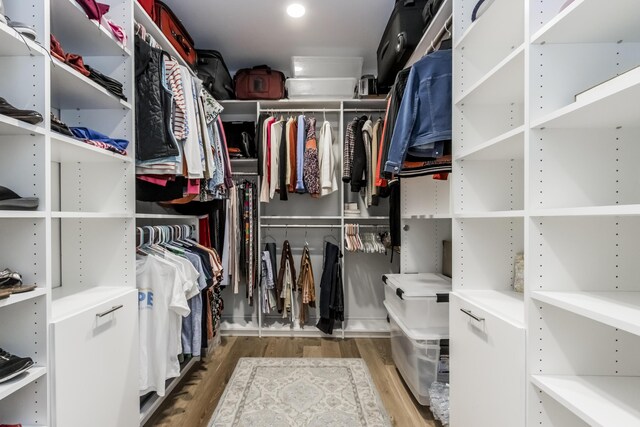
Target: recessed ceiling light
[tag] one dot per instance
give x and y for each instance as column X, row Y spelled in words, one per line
column 296, row 10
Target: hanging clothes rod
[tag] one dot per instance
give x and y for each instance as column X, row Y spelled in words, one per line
column 438, row 38
column 300, row 226
column 299, row 110
column 364, row 110
column 244, row 173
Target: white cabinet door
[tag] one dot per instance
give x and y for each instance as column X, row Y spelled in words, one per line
column 96, row 366
column 487, row 376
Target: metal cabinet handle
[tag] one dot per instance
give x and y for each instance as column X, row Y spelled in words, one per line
column 473, row 316
column 111, row 310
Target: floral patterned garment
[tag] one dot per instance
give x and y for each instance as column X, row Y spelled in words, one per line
column 311, row 171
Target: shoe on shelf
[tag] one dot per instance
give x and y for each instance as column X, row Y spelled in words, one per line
column 10, row 278
column 59, row 126
column 9, row 200
column 11, row 366
column 23, row 29
column 28, row 116
column 4, row 294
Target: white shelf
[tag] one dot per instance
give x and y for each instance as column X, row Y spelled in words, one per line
column 490, row 214
column 365, row 218
column 68, row 21
column 23, row 380
column 65, row 149
column 92, row 215
column 312, row 218
column 11, row 44
column 509, row 145
column 508, row 15
column 612, row 104
column 71, row 90
column 597, row 400
column 239, row 107
column 436, row 25
column 154, row 402
column 586, row 21
column 25, row 296
column 507, row 305
column 21, row 214
column 145, row 20
column 617, row 210
column 68, row 303
column 620, row 310
column 503, row 84
column 352, row 105
column 428, row 216
column 11, row 126
column 165, row 216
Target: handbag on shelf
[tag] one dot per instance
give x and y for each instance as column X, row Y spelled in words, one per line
column 259, row 82
column 176, row 33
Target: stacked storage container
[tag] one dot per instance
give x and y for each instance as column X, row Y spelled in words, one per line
column 324, row 77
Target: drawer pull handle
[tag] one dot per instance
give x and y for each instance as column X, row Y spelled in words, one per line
column 111, row 310
column 473, row 316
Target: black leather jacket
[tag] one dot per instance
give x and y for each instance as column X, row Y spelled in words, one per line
column 154, row 137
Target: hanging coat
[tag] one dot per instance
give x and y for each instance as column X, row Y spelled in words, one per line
column 331, row 290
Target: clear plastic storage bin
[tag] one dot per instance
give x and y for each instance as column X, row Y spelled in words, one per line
column 327, row 66
column 321, row 88
column 420, row 361
column 419, row 300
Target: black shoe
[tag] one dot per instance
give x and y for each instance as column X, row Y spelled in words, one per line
column 11, row 366
column 59, row 126
column 10, row 200
column 28, row 116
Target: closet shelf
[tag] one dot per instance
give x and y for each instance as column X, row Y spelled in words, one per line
column 239, row 107
column 586, row 21
column 154, row 402
column 145, row 20
column 21, row 381
column 503, row 84
column 612, row 104
column 77, row 32
column 65, row 149
column 365, row 218
column 92, row 215
column 301, row 217
column 506, row 305
column 26, row 296
column 353, row 105
column 616, row 210
column 490, row 214
column 428, row 216
column 295, row 105
column 597, row 400
column 67, row 303
column 507, row 15
column 436, row 25
column 618, row 309
column 165, row 216
column 71, row 90
column 509, row 145
column 22, row 214
column 11, row 126
column 11, row 44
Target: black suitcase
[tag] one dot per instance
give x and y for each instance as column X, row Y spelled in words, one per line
column 215, row 75
column 409, row 20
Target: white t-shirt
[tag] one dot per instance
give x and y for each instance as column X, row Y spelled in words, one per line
column 161, row 304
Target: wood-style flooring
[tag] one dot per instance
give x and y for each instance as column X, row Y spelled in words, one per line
column 193, row 402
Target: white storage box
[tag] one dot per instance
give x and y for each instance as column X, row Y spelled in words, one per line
column 327, row 66
column 419, row 300
column 305, row 88
column 418, row 355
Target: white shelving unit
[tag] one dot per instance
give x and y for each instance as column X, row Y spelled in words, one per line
column 79, row 241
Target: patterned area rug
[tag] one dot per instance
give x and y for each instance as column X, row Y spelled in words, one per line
column 300, row 392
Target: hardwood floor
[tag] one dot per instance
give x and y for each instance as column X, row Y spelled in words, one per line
column 193, row 402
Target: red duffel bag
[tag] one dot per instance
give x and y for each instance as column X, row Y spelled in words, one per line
column 178, row 36
column 260, row 82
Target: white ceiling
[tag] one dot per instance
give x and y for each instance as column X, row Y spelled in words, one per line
column 254, row 32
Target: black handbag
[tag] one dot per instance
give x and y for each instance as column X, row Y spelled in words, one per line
column 215, row 75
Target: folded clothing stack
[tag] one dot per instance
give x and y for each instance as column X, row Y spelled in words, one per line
column 97, row 139
column 112, row 85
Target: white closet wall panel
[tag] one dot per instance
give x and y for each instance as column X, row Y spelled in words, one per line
column 489, row 185
column 22, row 166
column 422, row 244
column 85, row 190
column 426, row 196
column 26, row 251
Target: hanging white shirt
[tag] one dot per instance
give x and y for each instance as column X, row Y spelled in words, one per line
column 192, row 143
column 326, row 161
column 276, row 137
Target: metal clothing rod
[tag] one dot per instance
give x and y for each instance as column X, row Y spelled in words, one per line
column 244, row 173
column 378, row 226
column 364, row 110
column 300, row 226
column 299, row 110
column 438, row 38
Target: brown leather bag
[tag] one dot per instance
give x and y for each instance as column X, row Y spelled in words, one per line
column 178, row 36
column 260, row 82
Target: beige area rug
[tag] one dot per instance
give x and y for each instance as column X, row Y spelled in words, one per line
column 281, row 392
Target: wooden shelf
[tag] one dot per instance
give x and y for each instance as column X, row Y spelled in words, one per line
column 509, row 145
column 586, row 21
column 612, row 104
column 21, row 381
column 66, row 149
column 71, row 90
column 69, row 21
column 502, row 84
column 25, row 296
column 11, row 44
column 506, row 305
column 620, row 310
column 597, row 400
